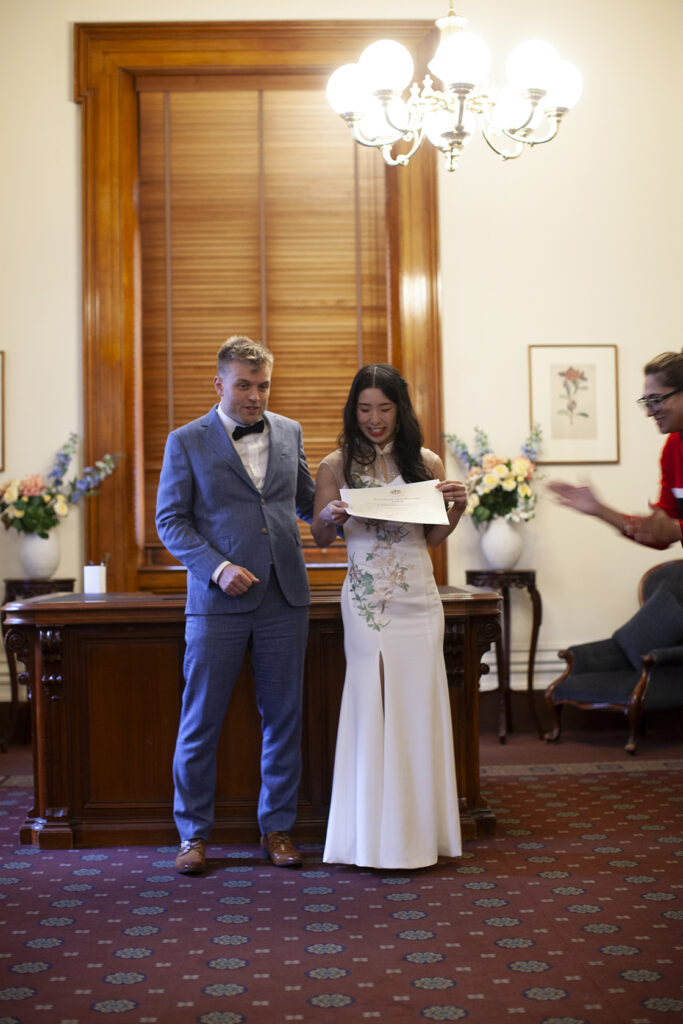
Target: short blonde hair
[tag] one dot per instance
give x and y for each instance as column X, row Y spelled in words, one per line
column 239, row 348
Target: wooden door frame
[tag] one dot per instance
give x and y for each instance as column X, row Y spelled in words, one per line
column 107, row 59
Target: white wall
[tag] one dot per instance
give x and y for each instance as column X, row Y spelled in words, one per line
column 577, row 242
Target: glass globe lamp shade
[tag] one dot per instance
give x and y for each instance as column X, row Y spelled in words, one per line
column 347, row 92
column 532, row 65
column 461, row 59
column 567, row 87
column 386, row 65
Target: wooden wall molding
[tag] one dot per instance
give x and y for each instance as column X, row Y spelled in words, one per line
column 108, row 57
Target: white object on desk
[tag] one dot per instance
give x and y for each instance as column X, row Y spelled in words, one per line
column 94, row 579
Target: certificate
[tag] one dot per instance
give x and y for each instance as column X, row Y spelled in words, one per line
column 404, row 503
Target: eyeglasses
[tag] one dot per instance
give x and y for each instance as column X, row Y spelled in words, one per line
column 655, row 401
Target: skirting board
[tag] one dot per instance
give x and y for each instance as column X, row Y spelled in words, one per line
column 547, row 667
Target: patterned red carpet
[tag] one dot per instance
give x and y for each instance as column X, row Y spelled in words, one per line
column 571, row 914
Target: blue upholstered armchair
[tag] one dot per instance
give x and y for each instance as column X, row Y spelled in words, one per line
column 640, row 667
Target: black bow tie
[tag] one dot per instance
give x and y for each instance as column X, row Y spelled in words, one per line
column 255, row 428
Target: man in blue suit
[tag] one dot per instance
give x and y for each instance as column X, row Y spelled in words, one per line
column 232, row 484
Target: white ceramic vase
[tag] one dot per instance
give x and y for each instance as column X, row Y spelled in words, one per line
column 502, row 544
column 39, row 556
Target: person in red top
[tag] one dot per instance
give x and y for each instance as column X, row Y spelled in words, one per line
column 663, row 400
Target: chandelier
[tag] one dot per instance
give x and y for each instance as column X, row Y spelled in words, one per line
column 526, row 112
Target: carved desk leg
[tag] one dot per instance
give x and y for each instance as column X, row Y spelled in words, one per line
column 50, row 827
column 18, row 645
column 15, row 647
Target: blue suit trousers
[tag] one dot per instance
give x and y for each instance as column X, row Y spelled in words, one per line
column 215, row 649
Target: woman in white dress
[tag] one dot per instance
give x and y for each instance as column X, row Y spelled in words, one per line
column 394, row 800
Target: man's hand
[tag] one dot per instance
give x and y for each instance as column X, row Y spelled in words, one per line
column 581, row 499
column 236, row 580
column 655, row 531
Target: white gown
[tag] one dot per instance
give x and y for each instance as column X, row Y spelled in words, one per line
column 394, row 799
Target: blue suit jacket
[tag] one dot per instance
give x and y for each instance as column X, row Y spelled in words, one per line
column 208, row 510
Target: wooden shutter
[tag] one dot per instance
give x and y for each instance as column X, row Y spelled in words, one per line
column 128, row 341
column 246, row 231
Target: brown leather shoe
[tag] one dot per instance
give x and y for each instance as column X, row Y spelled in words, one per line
column 281, row 849
column 191, row 857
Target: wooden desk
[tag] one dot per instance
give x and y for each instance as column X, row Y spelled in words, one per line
column 500, row 579
column 104, row 674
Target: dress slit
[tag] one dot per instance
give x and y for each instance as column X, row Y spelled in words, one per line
column 381, row 684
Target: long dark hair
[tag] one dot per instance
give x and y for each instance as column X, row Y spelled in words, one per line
column 408, row 436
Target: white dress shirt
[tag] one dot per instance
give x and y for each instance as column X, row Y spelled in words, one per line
column 253, row 451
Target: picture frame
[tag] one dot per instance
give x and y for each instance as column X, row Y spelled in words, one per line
column 2, row 411
column 573, row 397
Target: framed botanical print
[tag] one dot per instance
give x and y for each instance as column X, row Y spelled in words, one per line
column 573, row 398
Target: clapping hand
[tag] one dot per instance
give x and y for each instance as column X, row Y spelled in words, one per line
column 580, row 498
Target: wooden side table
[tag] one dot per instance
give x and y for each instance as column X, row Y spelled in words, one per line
column 21, row 590
column 503, row 580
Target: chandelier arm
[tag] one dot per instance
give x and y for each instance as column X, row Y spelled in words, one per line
column 531, row 141
column 402, row 158
column 534, row 96
column 498, row 152
column 357, row 135
column 414, row 118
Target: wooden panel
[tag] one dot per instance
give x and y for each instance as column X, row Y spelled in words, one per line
column 325, row 670
column 108, row 60
column 239, row 751
column 133, row 753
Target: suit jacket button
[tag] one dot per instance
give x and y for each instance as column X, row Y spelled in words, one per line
column 263, row 501
column 264, row 529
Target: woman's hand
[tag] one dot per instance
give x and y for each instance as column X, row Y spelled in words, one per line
column 455, row 492
column 329, row 513
column 334, row 513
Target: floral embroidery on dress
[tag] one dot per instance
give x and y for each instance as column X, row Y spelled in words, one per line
column 374, row 584
column 373, row 589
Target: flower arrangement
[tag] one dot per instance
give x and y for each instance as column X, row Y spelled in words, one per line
column 498, row 487
column 36, row 505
